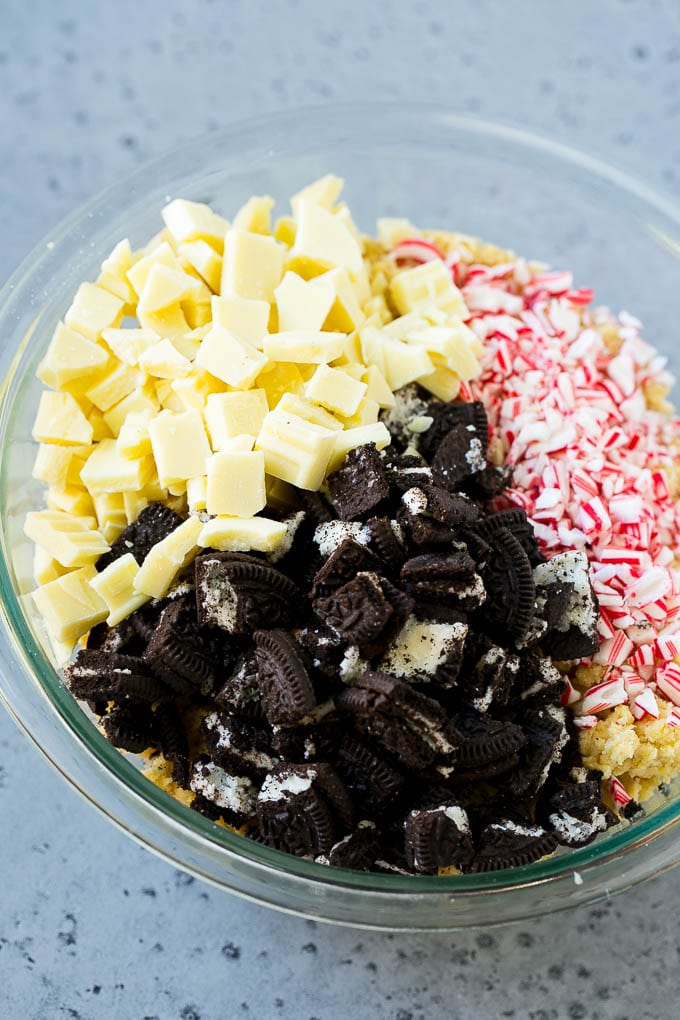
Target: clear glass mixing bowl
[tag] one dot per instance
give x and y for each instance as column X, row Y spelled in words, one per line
column 439, row 169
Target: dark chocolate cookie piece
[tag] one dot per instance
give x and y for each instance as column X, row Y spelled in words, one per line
column 238, row 745
column 459, row 455
column 130, row 728
column 180, row 654
column 97, row 674
column 546, row 737
column 447, row 578
column 452, row 508
column 426, row 652
column 240, row 593
column 438, row 837
column 387, row 541
column 577, row 814
column 361, row 612
column 506, row 843
column 303, row 809
column 240, row 692
column 484, row 740
column 492, row 679
column 357, row 851
column 172, row 740
column 286, row 691
column 233, row 797
column 121, row 639
column 509, row 583
column 407, row 724
column 424, row 532
column 574, row 633
column 446, row 416
column 360, row 486
column 373, row 784
column 154, row 523
column 518, row 524
column 344, row 563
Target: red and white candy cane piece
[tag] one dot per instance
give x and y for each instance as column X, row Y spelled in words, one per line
column 603, row 696
column 645, row 706
column 585, row 722
column 618, row 793
column 668, row 646
column 569, row 695
column 416, row 249
column 673, row 717
column 667, row 680
column 615, row 651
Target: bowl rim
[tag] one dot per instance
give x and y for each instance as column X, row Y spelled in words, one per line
column 66, row 709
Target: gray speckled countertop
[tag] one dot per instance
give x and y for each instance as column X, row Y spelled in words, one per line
column 91, row 926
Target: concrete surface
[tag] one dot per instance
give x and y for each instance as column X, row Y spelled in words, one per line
column 91, row 926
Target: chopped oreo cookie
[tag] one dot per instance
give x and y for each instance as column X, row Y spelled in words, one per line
column 360, row 486
column 378, row 693
column 303, row 809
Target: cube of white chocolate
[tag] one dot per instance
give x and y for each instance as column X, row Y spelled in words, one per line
column 70, row 606
column 228, row 415
column 229, row 358
column 244, row 318
column 235, row 486
column 335, row 389
column 70, row 356
column 115, row 586
column 92, row 310
column 60, row 420
column 180, row 446
column 252, row 265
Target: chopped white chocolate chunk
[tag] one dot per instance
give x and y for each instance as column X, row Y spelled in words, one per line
column 322, row 241
column 205, row 260
column 129, row 344
column 164, row 361
column 304, row 346
column 167, row 558
column 180, row 446
column 114, row 385
column 60, row 420
column 229, row 415
column 255, row 215
column 301, row 305
column 229, row 358
column 236, row 486
column 93, row 310
column 115, row 586
column 194, row 221
column 301, row 407
column 252, row 266
column 70, row 356
column 295, row 450
column 324, row 192
column 70, row 606
column 336, row 390
column 71, row 541
column 244, row 318
column 412, row 290
column 238, row 534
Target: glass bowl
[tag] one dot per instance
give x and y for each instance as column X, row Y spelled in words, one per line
column 441, row 170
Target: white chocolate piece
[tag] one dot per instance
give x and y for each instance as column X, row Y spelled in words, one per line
column 205, row 260
column 230, row 359
column 194, row 221
column 197, row 493
column 141, row 400
column 301, row 305
column 242, row 317
column 59, row 466
column 404, row 363
column 45, row 568
column 71, row 541
column 442, row 383
column 164, row 361
column 252, row 265
column 180, row 446
column 236, row 486
column 295, row 450
column 366, row 414
column 115, row 586
column 391, row 230
column 93, row 310
column 229, row 415
column 301, row 407
column 193, row 391
column 70, row 606
column 134, row 503
column 129, row 344
column 344, row 313
column 170, row 321
column 412, row 290
column 279, row 378
column 238, row 534
column 324, row 192
column 306, row 347
column 350, row 439
column 165, row 287
column 107, row 470
column 70, row 356
column 323, row 241
column 133, row 439
column 451, row 345
column 109, row 508
column 60, row 420
column 255, row 215
column 335, row 390
column 116, row 384
column 167, row 558
column 155, row 254
column 377, row 388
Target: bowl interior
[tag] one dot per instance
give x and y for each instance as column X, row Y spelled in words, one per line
column 439, row 171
